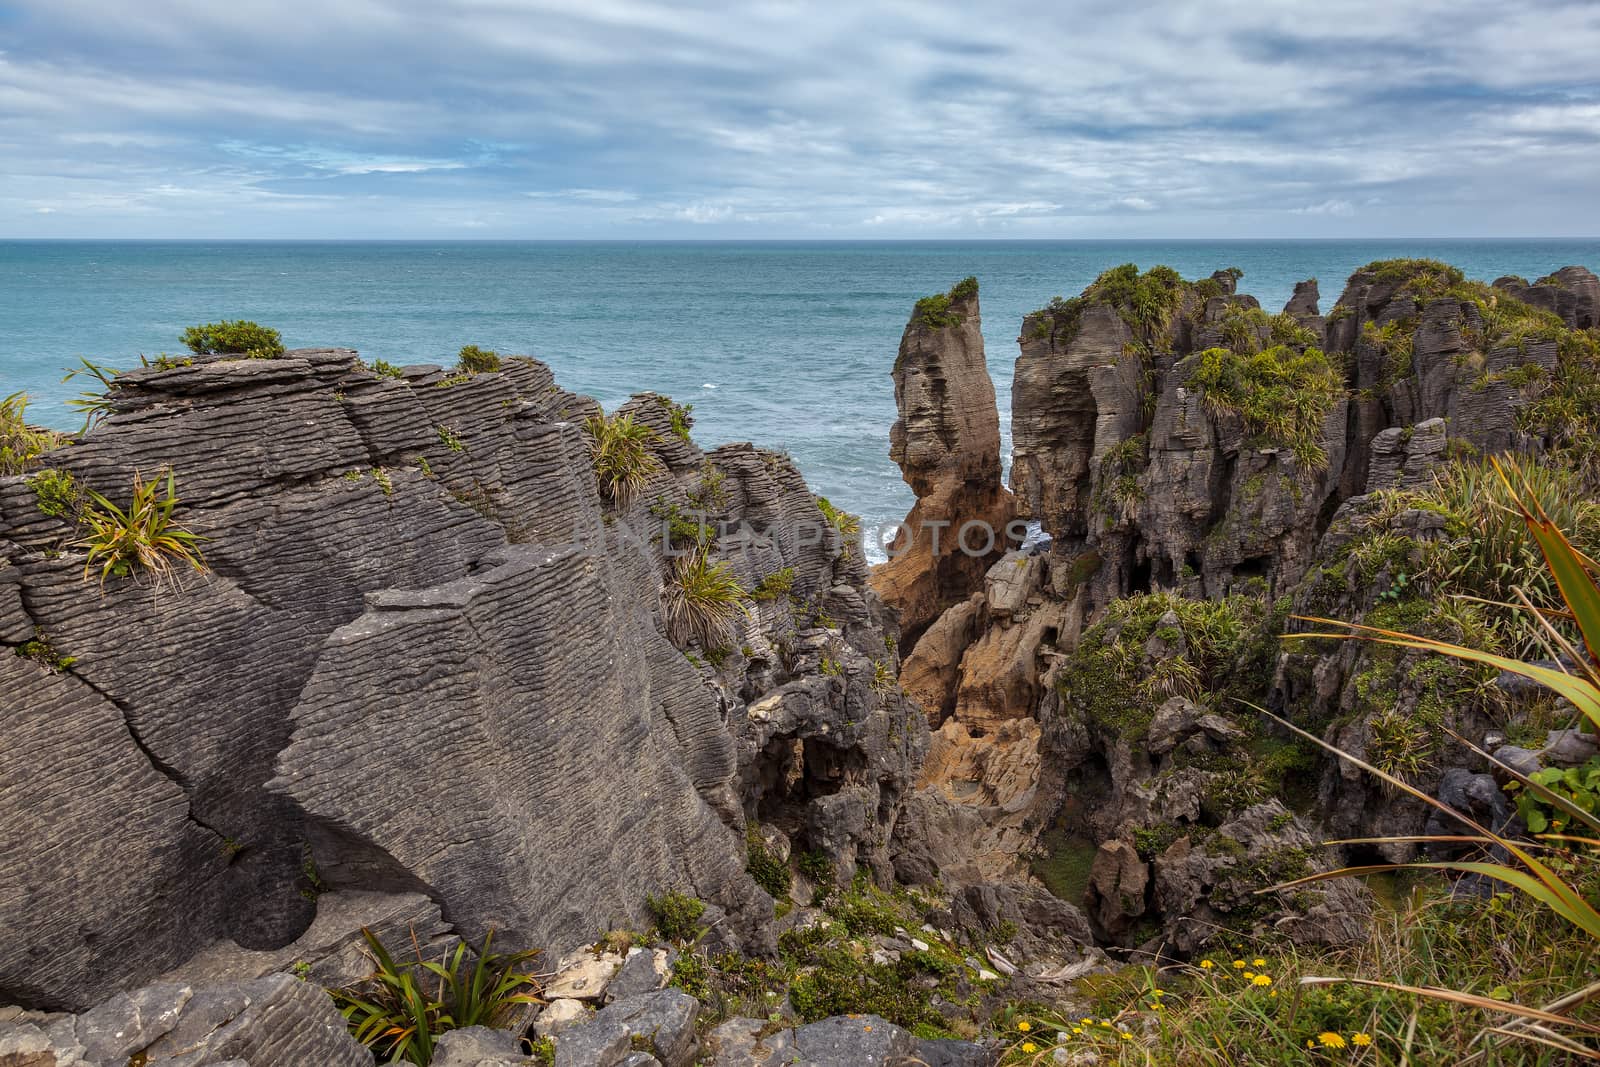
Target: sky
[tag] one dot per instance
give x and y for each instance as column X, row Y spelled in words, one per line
column 626, row 119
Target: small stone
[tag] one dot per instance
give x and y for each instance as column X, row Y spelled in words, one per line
column 583, row 976
column 559, row 1015
column 919, row 945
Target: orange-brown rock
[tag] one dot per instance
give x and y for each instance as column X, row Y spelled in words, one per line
column 947, row 443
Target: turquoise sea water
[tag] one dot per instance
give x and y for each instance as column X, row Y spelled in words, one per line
column 786, row 344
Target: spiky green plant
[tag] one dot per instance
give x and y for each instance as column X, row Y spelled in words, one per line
column 620, row 450
column 21, row 444
column 1548, row 870
column 703, row 598
column 396, row 1013
column 144, row 537
column 95, row 404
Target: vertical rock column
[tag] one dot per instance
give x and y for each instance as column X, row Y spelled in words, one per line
column 947, row 443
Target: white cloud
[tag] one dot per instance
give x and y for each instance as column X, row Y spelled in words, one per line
column 1342, row 208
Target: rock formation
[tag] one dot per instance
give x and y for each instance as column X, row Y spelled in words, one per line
column 1183, row 448
column 428, row 658
column 947, row 443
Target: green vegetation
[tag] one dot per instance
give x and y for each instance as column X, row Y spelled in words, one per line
column 142, row 538
column 58, row 493
column 1282, row 395
column 450, row 439
column 166, row 362
column 826, row 968
column 847, row 524
column 475, row 360
column 678, row 415
column 39, row 649
column 404, row 1006
column 676, row 915
column 1146, row 302
column 1578, row 786
column 702, row 600
column 233, row 337
column 619, row 448
column 21, row 444
column 1486, row 551
column 1551, row 876
column 770, row 872
column 774, row 586
column 1226, row 652
column 936, row 313
column 682, row 527
column 384, row 369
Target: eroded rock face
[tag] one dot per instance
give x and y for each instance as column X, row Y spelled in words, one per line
column 1098, row 720
column 947, row 443
column 429, row 659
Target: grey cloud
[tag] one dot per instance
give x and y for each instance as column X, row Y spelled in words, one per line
column 885, row 118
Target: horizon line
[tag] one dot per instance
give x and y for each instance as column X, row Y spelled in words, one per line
column 788, row 240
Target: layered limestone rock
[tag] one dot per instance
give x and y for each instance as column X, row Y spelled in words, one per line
column 428, row 658
column 1203, row 468
column 947, row 444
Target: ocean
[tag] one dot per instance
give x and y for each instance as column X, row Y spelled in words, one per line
column 788, row 344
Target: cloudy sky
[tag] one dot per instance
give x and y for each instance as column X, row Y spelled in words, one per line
column 771, row 118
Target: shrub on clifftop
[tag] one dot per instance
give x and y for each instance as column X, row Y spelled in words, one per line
column 475, row 360
column 1282, row 394
column 235, row 337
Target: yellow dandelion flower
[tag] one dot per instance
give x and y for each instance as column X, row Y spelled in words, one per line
column 1329, row 1039
column 1126, row 1036
column 1362, row 1039
column 1029, row 1046
column 1206, row 965
column 1261, row 979
column 1273, row 993
column 1024, row 1026
column 1158, row 992
column 1088, row 1021
column 1259, row 962
column 1077, row 1029
column 1310, row 1043
column 1249, row 975
column 1238, row 965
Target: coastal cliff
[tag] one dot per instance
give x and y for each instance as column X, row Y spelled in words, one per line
column 428, row 663
column 1204, row 470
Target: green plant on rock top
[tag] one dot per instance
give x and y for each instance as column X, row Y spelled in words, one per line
column 384, row 369
column 475, row 360
column 1282, row 395
column 847, row 524
column 619, row 448
column 702, row 600
column 143, row 538
column 676, row 915
column 404, row 1006
column 936, row 313
column 678, row 416
column 234, row 337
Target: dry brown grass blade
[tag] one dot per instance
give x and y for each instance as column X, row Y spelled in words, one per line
column 1454, row 996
